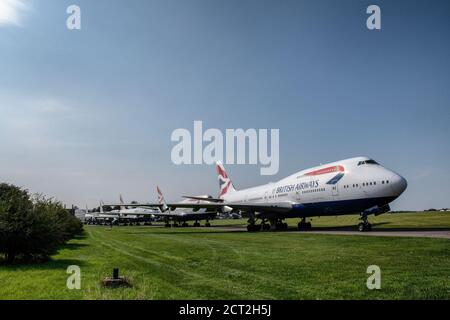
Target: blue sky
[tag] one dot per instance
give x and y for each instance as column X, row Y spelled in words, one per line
column 86, row 115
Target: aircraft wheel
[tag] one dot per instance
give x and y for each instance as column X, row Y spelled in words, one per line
column 308, row 225
column 253, row 227
column 167, row 225
column 207, row 224
column 184, row 225
column 285, row 226
column 365, row 227
column 266, row 226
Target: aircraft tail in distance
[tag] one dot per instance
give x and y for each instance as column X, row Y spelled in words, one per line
column 161, row 199
column 226, row 186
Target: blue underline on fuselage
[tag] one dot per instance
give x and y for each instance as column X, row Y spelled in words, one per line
column 338, row 207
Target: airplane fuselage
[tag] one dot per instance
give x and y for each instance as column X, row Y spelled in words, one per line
column 342, row 187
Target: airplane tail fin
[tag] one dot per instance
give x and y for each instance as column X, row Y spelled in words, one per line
column 161, row 199
column 101, row 206
column 226, row 186
column 122, row 207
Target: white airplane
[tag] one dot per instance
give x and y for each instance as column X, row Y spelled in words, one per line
column 101, row 217
column 135, row 212
column 130, row 215
column 182, row 215
column 356, row 185
column 132, row 212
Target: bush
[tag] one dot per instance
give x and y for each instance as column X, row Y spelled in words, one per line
column 32, row 228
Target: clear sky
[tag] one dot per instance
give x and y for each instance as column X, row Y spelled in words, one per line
column 88, row 114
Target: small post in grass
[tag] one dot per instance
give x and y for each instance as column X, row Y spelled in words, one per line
column 116, row 281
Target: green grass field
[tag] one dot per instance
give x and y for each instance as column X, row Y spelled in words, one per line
column 200, row 263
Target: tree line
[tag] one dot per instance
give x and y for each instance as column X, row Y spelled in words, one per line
column 32, row 227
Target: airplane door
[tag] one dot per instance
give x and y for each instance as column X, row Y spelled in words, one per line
column 335, row 190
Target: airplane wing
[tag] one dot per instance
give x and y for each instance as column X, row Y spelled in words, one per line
column 245, row 206
column 204, row 199
column 136, row 205
column 174, row 214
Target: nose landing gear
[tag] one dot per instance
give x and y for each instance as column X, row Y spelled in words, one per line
column 364, row 225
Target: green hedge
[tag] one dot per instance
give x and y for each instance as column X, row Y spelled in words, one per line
column 32, row 227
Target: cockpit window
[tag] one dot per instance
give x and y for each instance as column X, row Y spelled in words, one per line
column 367, row 162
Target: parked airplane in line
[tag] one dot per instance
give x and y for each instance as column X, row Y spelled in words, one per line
column 182, row 215
column 134, row 214
column 356, row 185
column 166, row 213
column 101, row 217
column 123, row 214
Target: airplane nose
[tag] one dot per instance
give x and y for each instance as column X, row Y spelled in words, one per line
column 398, row 184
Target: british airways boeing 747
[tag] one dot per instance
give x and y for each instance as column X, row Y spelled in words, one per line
column 356, row 185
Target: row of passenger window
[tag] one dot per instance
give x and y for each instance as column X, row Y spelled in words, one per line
column 366, row 184
column 313, row 190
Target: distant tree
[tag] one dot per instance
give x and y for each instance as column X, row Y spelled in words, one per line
column 32, row 227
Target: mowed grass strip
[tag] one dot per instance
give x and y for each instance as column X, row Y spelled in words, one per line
column 201, row 263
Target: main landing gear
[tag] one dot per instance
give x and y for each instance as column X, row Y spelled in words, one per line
column 364, row 225
column 276, row 224
column 265, row 225
column 252, row 226
column 280, row 225
column 303, row 225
